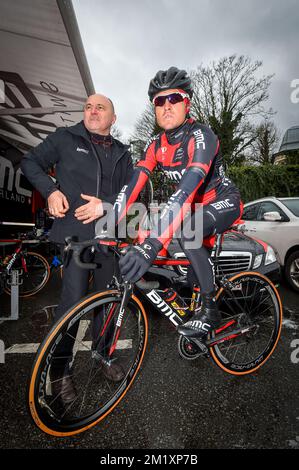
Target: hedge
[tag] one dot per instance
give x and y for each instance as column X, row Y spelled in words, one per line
column 253, row 181
column 267, row 180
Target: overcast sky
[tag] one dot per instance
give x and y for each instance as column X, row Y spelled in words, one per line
column 128, row 41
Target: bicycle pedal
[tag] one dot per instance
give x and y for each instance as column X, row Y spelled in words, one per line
column 201, row 345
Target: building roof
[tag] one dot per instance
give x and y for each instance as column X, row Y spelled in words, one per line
column 290, row 140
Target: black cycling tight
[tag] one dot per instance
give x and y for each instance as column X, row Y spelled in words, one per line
column 217, row 218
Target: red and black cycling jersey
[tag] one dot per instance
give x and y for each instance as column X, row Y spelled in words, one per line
column 189, row 156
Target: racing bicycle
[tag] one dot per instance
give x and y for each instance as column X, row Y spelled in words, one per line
column 251, row 324
column 34, row 268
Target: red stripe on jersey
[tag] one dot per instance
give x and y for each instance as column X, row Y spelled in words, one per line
column 206, row 198
column 149, row 161
column 191, row 150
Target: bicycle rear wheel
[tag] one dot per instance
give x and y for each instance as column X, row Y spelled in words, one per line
column 36, row 275
column 97, row 395
column 252, row 305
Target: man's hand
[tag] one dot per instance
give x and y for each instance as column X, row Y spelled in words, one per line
column 58, row 204
column 138, row 259
column 90, row 211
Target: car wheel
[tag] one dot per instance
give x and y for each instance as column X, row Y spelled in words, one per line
column 292, row 270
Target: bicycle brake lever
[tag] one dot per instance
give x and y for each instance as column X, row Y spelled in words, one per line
column 73, row 248
column 67, row 251
column 81, row 264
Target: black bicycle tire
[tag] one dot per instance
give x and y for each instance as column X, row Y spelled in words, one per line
column 61, row 429
column 253, row 365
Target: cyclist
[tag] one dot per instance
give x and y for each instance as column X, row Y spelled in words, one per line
column 189, row 154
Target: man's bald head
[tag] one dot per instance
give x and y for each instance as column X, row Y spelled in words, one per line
column 99, row 115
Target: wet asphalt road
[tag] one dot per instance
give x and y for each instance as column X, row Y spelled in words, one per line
column 173, row 404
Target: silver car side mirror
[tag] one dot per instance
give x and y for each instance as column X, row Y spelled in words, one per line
column 272, row 216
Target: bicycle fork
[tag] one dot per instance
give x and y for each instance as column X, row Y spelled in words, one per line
column 116, row 315
column 124, row 302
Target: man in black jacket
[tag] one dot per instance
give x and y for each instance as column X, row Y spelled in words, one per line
column 91, row 167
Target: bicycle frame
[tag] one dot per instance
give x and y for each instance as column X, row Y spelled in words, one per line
column 18, row 252
column 175, row 316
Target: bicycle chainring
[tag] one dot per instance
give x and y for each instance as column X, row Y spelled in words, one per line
column 191, row 349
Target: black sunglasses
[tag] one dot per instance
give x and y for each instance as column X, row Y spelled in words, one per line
column 173, row 98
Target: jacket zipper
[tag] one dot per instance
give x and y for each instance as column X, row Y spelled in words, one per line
column 99, row 168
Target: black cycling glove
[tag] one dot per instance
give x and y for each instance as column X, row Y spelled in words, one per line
column 138, row 259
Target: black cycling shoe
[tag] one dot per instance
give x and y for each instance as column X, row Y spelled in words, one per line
column 203, row 322
column 62, row 385
column 199, row 326
column 111, row 369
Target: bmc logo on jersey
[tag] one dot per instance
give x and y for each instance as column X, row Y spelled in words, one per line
column 199, row 139
column 222, row 204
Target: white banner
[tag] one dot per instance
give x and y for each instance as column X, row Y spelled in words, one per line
column 44, row 76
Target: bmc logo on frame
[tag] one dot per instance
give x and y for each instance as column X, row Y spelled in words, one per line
column 2, row 352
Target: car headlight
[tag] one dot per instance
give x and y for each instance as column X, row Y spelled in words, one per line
column 257, row 261
column 270, row 256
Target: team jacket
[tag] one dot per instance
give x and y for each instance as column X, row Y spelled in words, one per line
column 77, row 170
column 189, row 156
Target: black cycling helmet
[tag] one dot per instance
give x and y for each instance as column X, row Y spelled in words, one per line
column 167, row 79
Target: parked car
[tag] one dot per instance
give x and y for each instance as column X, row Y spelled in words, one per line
column 239, row 253
column 276, row 221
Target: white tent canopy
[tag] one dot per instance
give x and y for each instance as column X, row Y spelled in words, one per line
column 43, row 70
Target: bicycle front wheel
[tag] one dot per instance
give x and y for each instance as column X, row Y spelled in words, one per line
column 90, row 348
column 34, row 277
column 252, row 317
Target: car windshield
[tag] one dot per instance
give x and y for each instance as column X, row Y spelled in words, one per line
column 292, row 205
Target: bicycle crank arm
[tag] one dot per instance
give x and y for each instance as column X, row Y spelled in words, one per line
column 202, row 346
column 231, row 335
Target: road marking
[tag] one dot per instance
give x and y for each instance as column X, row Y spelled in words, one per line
column 26, row 348
column 80, row 345
column 31, row 348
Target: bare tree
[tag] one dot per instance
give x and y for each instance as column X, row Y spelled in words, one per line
column 116, row 132
column 227, row 94
column 265, row 143
column 145, row 128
